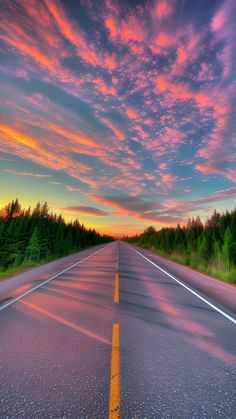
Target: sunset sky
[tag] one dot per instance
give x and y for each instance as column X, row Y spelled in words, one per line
column 121, row 113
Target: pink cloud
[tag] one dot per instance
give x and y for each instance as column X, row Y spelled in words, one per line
column 148, row 121
column 126, row 31
column 164, row 8
column 164, row 39
column 168, row 179
column 208, row 168
column 223, row 28
column 104, row 88
column 162, row 83
column 55, row 183
column 136, row 49
column 219, row 19
column 133, row 163
column 181, row 55
column 114, row 128
column 112, row 27
column 74, row 34
column 74, row 189
column 144, row 135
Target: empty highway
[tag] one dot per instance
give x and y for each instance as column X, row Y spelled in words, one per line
column 117, row 332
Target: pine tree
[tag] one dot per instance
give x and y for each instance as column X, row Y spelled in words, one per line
column 59, row 248
column 33, row 248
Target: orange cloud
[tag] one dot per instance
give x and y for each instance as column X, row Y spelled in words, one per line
column 87, row 181
column 203, row 99
column 72, row 135
column 110, row 24
column 131, row 113
column 30, row 50
column 19, row 136
column 110, row 61
column 64, row 25
column 40, row 154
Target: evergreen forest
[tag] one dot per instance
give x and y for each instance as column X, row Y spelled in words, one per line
column 30, row 237
column 209, row 247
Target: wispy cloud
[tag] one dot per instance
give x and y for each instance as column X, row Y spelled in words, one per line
column 18, row 173
column 78, row 209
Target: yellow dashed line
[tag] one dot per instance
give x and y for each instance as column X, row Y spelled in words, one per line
column 114, row 401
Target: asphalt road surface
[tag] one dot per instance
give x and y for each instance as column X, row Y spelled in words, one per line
column 116, row 331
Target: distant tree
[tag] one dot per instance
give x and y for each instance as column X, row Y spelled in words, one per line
column 214, row 220
column 11, row 210
column 37, row 210
column 150, row 230
column 45, row 210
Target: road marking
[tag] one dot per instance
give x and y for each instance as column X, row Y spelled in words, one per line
column 65, row 322
column 116, row 291
column 188, row 288
column 114, row 401
column 13, row 300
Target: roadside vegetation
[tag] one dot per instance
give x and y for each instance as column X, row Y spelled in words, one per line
column 209, row 247
column 32, row 237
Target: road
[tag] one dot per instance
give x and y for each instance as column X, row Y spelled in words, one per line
column 121, row 333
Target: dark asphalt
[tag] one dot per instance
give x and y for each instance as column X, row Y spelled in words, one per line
column 177, row 354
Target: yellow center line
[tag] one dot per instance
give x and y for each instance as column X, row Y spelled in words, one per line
column 114, row 401
column 116, row 291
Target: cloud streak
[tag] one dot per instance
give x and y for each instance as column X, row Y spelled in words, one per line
column 79, row 209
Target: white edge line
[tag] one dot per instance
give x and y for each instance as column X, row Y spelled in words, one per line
column 13, row 300
column 187, row 288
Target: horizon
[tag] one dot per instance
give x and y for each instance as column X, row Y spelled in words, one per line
column 115, row 236
column 120, row 114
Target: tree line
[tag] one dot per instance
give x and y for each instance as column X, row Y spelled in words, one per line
column 209, row 246
column 29, row 237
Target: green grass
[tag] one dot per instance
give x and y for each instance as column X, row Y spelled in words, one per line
column 17, row 269
column 28, row 265
column 211, row 269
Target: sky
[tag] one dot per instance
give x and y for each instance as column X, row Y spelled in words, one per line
column 120, row 113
